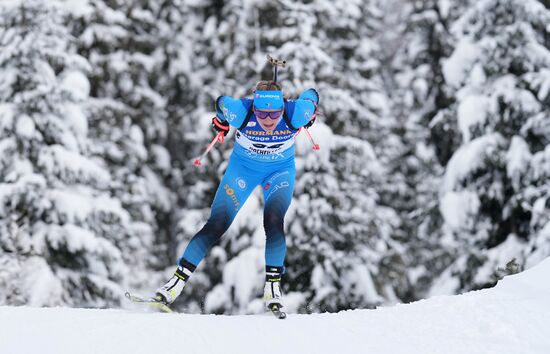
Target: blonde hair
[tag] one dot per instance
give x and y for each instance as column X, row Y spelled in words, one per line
column 268, row 86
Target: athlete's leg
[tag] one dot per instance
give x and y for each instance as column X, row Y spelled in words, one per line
column 235, row 187
column 278, row 189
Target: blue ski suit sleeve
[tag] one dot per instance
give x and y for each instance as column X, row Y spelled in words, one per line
column 301, row 110
column 232, row 110
column 310, row 94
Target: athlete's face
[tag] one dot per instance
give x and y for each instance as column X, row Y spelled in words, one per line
column 268, row 120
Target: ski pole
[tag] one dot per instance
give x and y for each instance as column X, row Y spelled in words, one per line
column 315, row 146
column 220, row 138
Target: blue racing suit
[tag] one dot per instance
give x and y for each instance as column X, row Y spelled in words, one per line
column 258, row 158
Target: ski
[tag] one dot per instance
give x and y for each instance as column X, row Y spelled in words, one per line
column 151, row 302
column 161, row 306
column 276, row 310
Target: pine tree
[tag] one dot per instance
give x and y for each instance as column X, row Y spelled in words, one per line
column 415, row 51
column 60, row 227
column 128, row 123
column 493, row 182
column 340, row 241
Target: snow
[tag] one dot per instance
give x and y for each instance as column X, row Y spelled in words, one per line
column 25, row 127
column 7, row 113
column 511, row 318
column 444, row 7
column 457, row 208
column 55, row 159
column 469, row 157
column 76, row 119
column 507, row 89
column 136, row 134
column 541, row 163
column 244, row 273
column 42, row 283
column 541, row 246
column 518, row 158
column 471, row 112
column 76, row 83
column 79, row 8
column 74, row 238
column 456, row 67
column 542, row 78
column 498, row 257
column 161, row 157
column 157, row 190
column 446, row 284
column 216, row 298
column 359, row 278
column 74, row 205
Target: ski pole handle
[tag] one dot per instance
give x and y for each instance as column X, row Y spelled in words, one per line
column 220, row 138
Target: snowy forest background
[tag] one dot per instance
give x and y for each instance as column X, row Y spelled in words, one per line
column 432, row 178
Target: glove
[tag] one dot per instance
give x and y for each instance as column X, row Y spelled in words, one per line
column 313, row 96
column 312, row 120
column 220, row 126
column 310, row 94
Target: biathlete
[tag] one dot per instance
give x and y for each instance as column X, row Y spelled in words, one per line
column 263, row 155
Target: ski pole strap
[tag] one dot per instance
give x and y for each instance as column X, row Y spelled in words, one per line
column 220, row 126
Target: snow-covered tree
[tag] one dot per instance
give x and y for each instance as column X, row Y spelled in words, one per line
column 128, row 117
column 60, row 226
column 433, row 127
column 341, row 252
column 412, row 67
column 493, row 195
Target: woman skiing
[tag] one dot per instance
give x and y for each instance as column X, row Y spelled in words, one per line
column 263, row 155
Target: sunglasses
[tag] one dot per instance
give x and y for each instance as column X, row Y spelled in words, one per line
column 264, row 114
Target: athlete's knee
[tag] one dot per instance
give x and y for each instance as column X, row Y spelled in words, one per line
column 203, row 240
column 273, row 222
column 216, row 226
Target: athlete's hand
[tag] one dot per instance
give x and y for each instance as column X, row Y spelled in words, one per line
column 313, row 96
column 312, row 120
column 220, row 126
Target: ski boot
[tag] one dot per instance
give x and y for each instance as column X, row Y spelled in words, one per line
column 168, row 293
column 273, row 295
